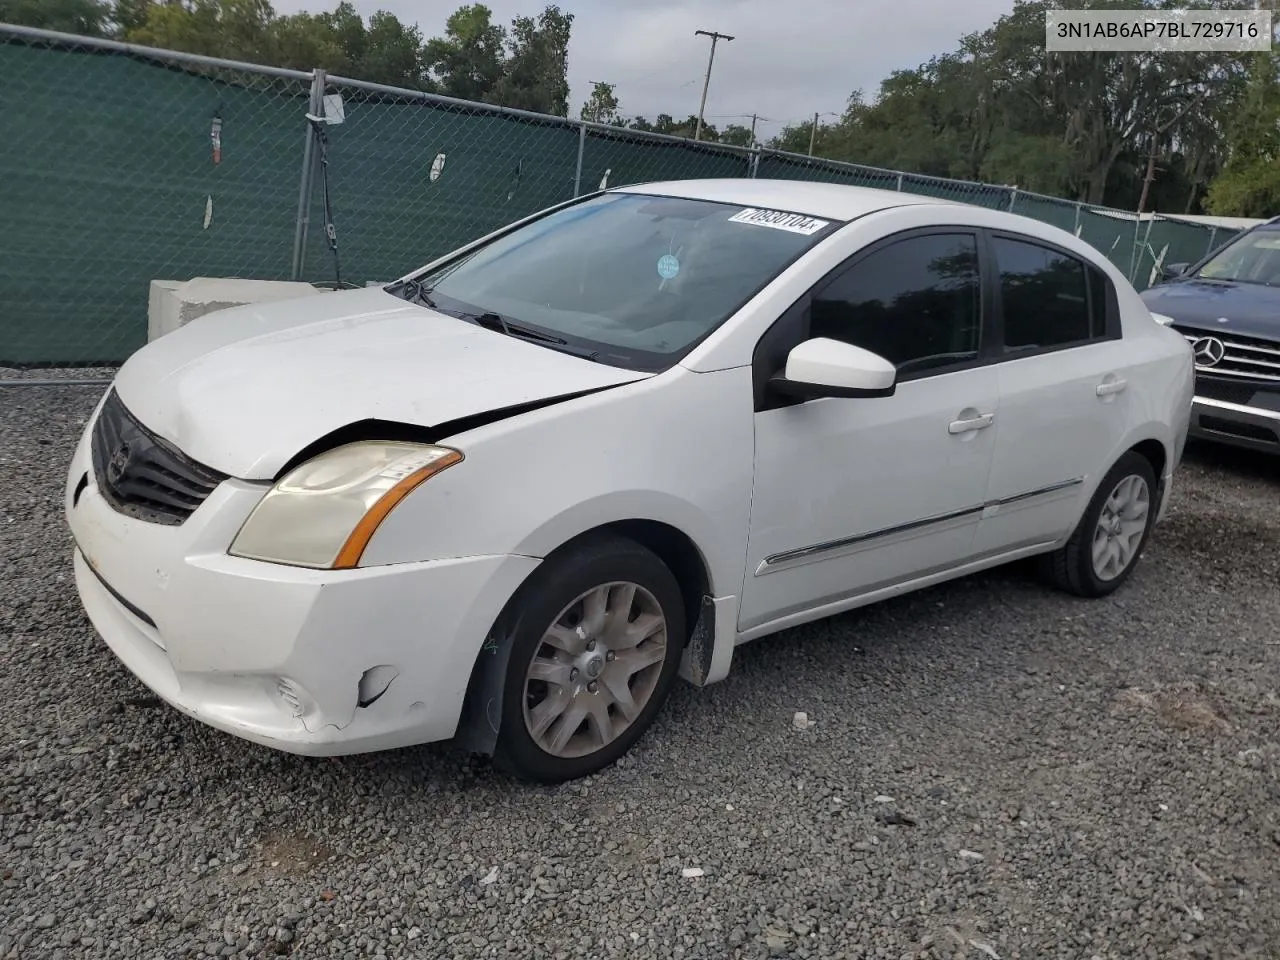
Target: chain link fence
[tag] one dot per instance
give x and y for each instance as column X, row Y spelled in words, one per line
column 111, row 177
column 121, row 165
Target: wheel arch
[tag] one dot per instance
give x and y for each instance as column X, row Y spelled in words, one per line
column 1150, row 442
column 481, row 715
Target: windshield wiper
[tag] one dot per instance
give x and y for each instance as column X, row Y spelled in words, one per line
column 421, row 293
column 495, row 321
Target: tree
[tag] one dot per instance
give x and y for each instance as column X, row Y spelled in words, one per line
column 303, row 41
column 665, row 123
column 1099, row 127
column 536, row 73
column 1249, row 185
column 129, row 14
column 236, row 30
column 602, row 105
column 233, row 29
column 737, row 135
column 349, row 31
column 84, row 17
column 393, row 54
column 467, row 62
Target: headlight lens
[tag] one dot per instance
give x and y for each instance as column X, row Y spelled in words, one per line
column 323, row 513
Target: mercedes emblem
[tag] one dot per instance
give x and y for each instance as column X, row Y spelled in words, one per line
column 1208, row 351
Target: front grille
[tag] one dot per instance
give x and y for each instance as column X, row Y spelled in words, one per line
column 142, row 475
column 1246, row 431
column 1232, row 391
column 1248, row 358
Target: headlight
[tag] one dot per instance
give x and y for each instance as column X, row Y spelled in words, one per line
column 323, row 513
column 1161, row 319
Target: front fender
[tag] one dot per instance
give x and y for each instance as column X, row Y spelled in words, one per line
column 677, row 449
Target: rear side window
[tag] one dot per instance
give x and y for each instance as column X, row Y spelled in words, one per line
column 915, row 302
column 1048, row 298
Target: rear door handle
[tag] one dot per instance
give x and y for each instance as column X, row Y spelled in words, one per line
column 1110, row 387
column 977, row 423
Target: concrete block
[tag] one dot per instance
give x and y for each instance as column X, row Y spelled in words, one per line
column 173, row 303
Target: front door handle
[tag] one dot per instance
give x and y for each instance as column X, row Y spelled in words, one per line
column 977, row 423
column 1110, row 387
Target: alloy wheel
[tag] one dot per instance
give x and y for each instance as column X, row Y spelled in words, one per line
column 595, row 669
column 1121, row 524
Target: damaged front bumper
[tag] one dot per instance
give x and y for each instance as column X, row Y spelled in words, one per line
column 311, row 662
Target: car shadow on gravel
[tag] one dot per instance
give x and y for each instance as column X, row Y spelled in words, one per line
column 1234, row 461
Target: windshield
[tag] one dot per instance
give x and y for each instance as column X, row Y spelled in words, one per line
column 1254, row 258
column 635, row 281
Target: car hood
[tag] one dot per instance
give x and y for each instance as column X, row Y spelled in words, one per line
column 244, row 390
column 1249, row 309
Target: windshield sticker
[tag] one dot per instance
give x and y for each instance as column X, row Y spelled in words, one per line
column 668, row 267
column 791, row 222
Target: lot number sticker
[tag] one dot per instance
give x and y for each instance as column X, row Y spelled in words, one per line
column 779, row 220
column 668, row 267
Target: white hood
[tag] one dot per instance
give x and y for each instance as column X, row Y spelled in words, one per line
column 243, row 390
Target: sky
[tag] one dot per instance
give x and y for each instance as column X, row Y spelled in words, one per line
column 788, row 60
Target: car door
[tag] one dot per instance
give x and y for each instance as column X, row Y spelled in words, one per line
column 1063, row 383
column 854, row 494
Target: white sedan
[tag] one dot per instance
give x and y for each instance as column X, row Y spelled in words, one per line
column 507, row 499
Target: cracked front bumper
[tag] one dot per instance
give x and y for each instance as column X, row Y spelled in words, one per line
column 275, row 654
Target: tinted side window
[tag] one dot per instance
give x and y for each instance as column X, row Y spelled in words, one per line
column 1099, row 299
column 915, row 302
column 1045, row 297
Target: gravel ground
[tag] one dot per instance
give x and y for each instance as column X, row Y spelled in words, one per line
column 993, row 770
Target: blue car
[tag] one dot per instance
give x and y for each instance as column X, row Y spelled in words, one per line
column 1228, row 307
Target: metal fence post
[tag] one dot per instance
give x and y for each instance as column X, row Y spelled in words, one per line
column 899, row 183
column 1077, row 226
column 315, row 105
column 1013, row 197
column 1213, row 236
column 582, row 147
column 1133, row 252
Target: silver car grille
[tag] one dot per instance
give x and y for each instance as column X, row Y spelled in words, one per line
column 1231, row 355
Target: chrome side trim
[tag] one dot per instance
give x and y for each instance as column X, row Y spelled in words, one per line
column 1041, row 492
column 831, row 548
column 897, row 588
column 1261, row 412
column 772, row 563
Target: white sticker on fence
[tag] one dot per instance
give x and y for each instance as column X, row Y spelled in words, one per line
column 780, row 220
column 335, row 111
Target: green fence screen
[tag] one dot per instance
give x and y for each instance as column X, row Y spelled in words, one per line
column 121, row 165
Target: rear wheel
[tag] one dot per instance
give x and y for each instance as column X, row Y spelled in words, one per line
column 1112, row 534
column 597, row 637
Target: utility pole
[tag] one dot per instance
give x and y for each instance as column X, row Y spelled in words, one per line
column 753, row 130
column 813, row 134
column 697, row 134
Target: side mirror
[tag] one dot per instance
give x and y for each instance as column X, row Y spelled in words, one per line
column 1172, row 271
column 829, row 368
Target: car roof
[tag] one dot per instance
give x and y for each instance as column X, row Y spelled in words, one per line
column 836, row 201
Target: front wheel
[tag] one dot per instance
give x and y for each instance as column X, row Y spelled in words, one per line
column 597, row 636
column 1111, row 535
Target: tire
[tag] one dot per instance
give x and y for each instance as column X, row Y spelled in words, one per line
column 1072, row 567
column 587, row 668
